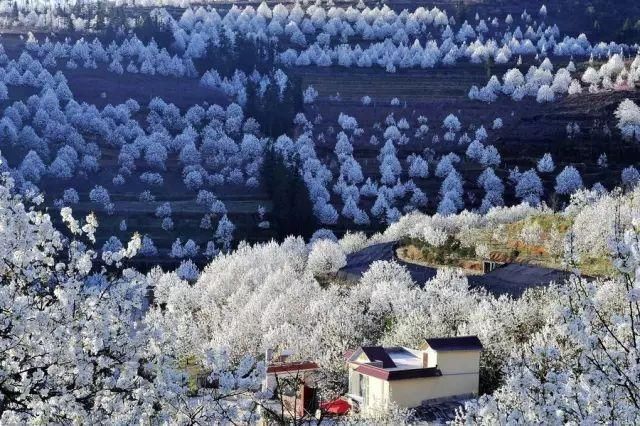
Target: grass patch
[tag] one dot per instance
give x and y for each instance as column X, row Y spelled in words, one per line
column 536, row 240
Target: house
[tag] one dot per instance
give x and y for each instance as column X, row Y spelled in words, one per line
column 444, row 368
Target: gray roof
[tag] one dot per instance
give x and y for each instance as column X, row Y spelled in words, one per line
column 461, row 343
column 379, row 354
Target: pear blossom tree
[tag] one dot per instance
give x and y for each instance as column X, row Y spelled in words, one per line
column 628, row 115
column 32, row 167
column 54, row 296
column 452, row 124
column 325, row 257
column 100, row 195
column 554, row 378
column 568, row 181
column 224, row 233
column 310, row 95
column 630, row 177
column 545, row 164
column 529, row 187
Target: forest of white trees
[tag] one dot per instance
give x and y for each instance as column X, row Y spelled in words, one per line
column 82, row 342
column 321, row 37
column 217, row 146
column 101, row 322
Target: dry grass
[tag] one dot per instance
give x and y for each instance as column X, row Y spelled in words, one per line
column 505, row 245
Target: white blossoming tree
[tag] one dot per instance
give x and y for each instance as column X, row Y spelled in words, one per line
column 79, row 342
column 628, row 115
column 582, row 365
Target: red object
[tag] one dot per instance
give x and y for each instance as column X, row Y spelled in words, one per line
column 338, row 407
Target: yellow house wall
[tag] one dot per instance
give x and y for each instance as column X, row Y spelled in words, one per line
column 410, row 393
column 378, row 393
column 432, row 357
column 362, row 358
column 456, row 362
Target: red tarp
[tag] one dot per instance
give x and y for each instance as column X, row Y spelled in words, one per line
column 338, row 407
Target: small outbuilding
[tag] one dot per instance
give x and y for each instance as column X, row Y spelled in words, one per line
column 292, row 382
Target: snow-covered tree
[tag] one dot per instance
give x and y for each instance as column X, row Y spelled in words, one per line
column 224, row 233
column 628, row 115
column 326, row 256
column 568, row 181
column 529, row 187
column 545, row 164
column 630, row 177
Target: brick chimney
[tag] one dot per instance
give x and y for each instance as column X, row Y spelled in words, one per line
column 425, row 359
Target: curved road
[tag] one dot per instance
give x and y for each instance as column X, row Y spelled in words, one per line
column 512, row 279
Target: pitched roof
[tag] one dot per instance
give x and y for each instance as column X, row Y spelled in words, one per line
column 462, row 343
column 289, row 367
column 379, row 354
column 413, row 373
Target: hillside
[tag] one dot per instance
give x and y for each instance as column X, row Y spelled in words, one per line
column 319, row 213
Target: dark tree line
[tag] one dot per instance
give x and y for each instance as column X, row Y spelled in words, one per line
column 239, row 54
column 275, row 114
column 292, row 209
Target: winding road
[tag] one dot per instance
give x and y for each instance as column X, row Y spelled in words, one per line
column 511, row 279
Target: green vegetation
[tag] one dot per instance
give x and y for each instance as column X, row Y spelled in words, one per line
column 537, row 240
column 451, row 253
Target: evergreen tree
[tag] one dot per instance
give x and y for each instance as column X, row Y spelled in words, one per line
column 292, row 208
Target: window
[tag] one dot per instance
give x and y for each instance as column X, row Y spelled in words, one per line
column 364, row 388
column 359, row 385
column 354, row 382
